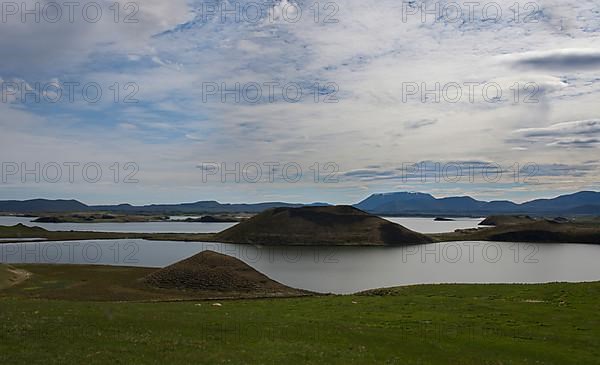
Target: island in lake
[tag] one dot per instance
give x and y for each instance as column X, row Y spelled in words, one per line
column 331, row 225
column 104, row 217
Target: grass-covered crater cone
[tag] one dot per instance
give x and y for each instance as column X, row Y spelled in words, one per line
column 333, row 225
column 212, row 271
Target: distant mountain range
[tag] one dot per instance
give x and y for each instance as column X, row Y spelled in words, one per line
column 211, row 206
column 408, row 203
column 398, row 203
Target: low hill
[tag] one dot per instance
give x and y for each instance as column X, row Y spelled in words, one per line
column 332, row 225
column 500, row 220
column 22, row 231
column 41, row 205
column 530, row 230
column 210, row 271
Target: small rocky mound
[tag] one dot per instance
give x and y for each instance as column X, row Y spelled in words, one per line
column 443, row 219
column 49, row 220
column 323, row 225
column 212, row 219
column 215, row 272
column 502, row 220
column 559, row 220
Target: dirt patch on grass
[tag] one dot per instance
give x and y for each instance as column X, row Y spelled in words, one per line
column 10, row 276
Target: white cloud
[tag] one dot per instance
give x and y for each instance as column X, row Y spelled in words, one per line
column 574, row 134
column 576, row 127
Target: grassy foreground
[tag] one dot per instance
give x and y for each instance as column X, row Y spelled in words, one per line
column 108, row 283
column 429, row 324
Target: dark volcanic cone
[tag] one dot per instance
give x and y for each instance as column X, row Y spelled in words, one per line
column 211, row 271
column 331, row 225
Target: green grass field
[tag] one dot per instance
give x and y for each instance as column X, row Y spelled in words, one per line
column 429, row 324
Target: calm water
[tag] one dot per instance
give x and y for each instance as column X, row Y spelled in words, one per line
column 423, row 225
column 344, row 269
column 137, row 227
column 429, row 225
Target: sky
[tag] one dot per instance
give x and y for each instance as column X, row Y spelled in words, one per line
column 298, row 101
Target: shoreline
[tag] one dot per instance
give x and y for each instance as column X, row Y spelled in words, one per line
column 106, row 280
column 517, row 233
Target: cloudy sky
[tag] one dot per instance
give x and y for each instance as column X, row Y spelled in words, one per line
column 497, row 100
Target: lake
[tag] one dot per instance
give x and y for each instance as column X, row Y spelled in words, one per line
column 429, row 225
column 423, row 225
column 343, row 269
